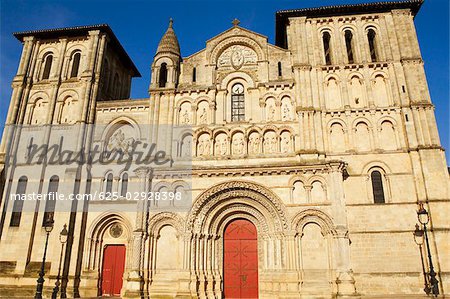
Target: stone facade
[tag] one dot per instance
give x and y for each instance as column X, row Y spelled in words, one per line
column 326, row 142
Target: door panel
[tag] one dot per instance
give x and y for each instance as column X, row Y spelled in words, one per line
column 240, row 260
column 113, row 267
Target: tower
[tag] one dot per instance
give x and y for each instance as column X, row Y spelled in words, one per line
column 166, row 63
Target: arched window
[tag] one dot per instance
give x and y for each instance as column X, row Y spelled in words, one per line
column 47, row 66
column 349, row 45
column 372, row 38
column 116, row 85
column 18, row 201
column 194, row 74
column 50, row 201
column 75, row 64
column 377, row 187
column 124, row 187
column 106, row 76
column 326, row 38
column 163, row 75
column 237, row 103
column 109, row 182
column 280, row 71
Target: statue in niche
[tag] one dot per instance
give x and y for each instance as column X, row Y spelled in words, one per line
column 203, row 147
column 118, row 143
column 185, row 117
column 186, row 149
column 271, row 116
column 285, row 143
column 254, row 143
column 221, row 147
column 270, row 143
column 203, row 116
column 286, row 113
column 238, row 145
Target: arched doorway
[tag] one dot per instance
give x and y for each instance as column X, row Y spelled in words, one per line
column 240, row 263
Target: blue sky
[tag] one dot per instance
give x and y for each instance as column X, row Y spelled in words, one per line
column 140, row 24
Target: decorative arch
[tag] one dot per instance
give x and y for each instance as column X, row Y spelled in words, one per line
column 236, row 40
column 96, row 233
column 38, row 95
column 287, row 94
column 376, row 164
column 156, row 222
column 121, row 120
column 268, row 95
column 316, row 216
column 237, row 77
column 48, row 50
column 386, row 118
column 361, row 119
column 218, row 198
column 333, row 121
column 164, row 59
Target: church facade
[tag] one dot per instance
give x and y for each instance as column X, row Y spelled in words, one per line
column 292, row 170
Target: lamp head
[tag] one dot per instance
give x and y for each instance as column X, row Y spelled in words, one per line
column 418, row 235
column 422, row 214
column 63, row 235
column 49, row 225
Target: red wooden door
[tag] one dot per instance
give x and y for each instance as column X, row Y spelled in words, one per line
column 240, row 260
column 113, row 267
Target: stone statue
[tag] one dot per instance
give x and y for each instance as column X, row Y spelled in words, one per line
column 254, row 144
column 186, row 148
column 271, row 116
column 238, row 146
column 185, row 118
column 203, row 116
column 286, row 113
column 285, row 143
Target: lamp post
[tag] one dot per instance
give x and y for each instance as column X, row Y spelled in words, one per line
column 418, row 239
column 424, row 218
column 63, row 239
column 48, row 225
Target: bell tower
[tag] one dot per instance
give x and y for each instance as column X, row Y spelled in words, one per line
column 166, row 63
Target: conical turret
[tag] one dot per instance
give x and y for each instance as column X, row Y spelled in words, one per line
column 169, row 42
column 166, row 63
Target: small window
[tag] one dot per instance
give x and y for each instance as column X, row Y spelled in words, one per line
column 124, row 187
column 16, row 214
column 47, row 67
column 194, row 74
column 280, row 71
column 109, row 182
column 326, row 37
column 75, row 65
column 372, row 36
column 163, row 75
column 50, row 201
column 237, row 103
column 349, row 46
column 377, row 187
column 116, row 85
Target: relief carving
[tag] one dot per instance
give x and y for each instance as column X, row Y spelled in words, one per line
column 237, row 56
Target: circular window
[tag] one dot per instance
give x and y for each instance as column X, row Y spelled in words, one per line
column 116, row 230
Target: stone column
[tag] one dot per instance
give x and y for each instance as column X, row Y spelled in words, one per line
column 344, row 275
column 135, row 279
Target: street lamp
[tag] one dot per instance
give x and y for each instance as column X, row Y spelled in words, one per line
column 418, row 239
column 48, row 225
column 424, row 218
column 63, row 239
